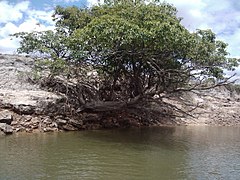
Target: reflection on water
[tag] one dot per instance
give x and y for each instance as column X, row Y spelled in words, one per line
column 148, row 153
column 214, row 152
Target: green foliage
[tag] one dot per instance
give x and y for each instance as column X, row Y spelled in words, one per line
column 48, row 43
column 143, row 47
column 56, row 66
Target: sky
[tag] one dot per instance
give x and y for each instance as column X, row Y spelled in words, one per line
column 222, row 16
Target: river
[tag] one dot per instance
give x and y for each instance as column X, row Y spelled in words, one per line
column 146, row 153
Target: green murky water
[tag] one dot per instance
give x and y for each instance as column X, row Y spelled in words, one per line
column 149, row 153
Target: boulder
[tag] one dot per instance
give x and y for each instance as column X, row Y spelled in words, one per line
column 7, row 129
column 76, row 123
column 24, row 109
column 6, row 117
column 69, row 127
column 48, row 129
column 61, row 122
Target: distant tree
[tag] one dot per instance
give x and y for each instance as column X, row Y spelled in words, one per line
column 139, row 50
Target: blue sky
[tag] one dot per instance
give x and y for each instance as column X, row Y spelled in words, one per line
column 222, row 16
column 50, row 4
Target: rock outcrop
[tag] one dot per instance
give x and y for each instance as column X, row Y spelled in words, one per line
column 22, row 103
column 7, row 129
column 25, row 106
column 6, row 117
column 218, row 106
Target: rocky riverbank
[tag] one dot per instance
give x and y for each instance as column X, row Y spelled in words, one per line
column 25, row 107
column 216, row 107
column 21, row 103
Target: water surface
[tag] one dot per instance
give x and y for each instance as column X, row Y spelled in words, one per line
column 148, row 153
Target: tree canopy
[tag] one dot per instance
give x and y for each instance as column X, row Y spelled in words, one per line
column 138, row 49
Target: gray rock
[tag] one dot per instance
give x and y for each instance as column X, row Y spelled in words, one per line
column 6, row 117
column 48, row 129
column 24, row 109
column 1, row 133
column 76, row 123
column 7, row 129
column 26, row 100
column 14, row 71
column 15, row 89
column 69, row 127
column 53, row 125
column 47, row 121
column 29, row 130
column 61, row 121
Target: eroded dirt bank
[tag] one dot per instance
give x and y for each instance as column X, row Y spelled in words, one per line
column 27, row 107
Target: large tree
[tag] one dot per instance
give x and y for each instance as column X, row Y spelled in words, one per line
column 140, row 50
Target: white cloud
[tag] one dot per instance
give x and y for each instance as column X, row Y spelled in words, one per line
column 41, row 16
column 32, row 24
column 9, row 28
column 10, row 12
column 192, row 12
column 222, row 16
column 94, row 2
column 8, row 45
column 233, row 42
column 66, row 1
column 20, row 18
